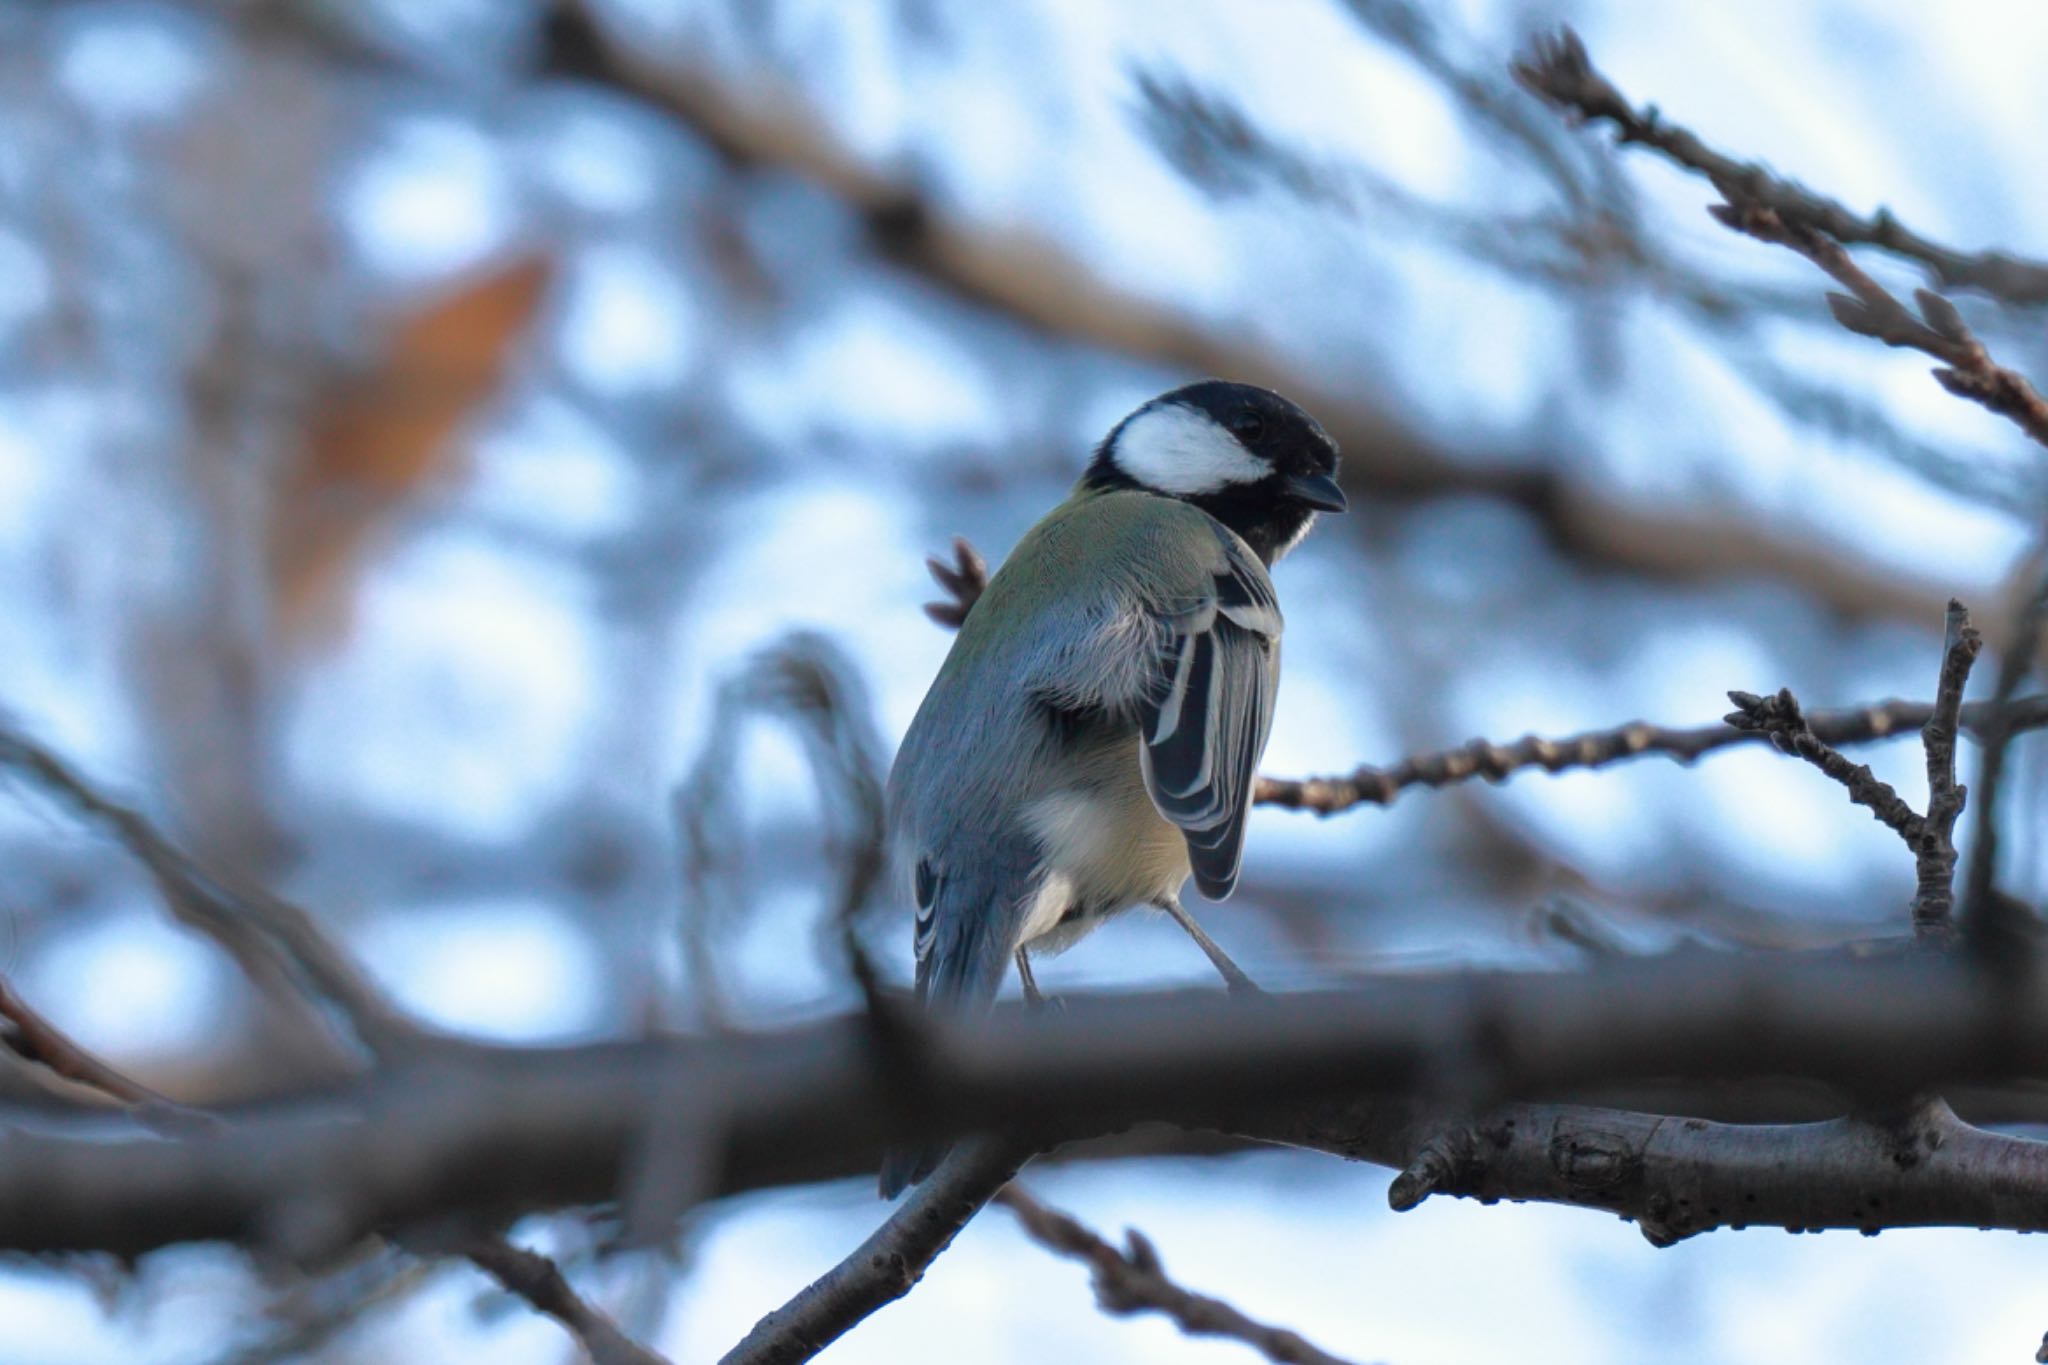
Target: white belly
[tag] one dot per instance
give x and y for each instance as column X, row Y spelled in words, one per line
column 1104, row 851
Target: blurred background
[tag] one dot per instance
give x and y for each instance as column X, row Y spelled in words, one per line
column 415, row 413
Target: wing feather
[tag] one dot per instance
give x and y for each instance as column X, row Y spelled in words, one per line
column 1206, row 715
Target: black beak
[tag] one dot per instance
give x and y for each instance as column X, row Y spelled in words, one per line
column 1319, row 491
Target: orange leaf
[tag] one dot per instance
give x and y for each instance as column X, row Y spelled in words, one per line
column 382, row 435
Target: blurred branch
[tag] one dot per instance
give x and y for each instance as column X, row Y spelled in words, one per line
column 890, row 1262
column 539, row 1281
column 1996, row 923
column 276, row 940
column 806, row 682
column 277, row 943
column 1561, row 72
column 1134, row 1280
column 1216, row 146
column 310, row 1316
column 35, row 1039
column 756, row 122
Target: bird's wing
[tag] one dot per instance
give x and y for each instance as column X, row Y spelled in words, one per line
column 1205, row 716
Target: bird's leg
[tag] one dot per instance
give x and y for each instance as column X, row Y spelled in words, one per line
column 1233, row 975
column 1030, row 982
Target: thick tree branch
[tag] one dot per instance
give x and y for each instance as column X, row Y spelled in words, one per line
column 495, row 1132
column 1561, row 72
column 1134, row 1280
column 1677, row 1177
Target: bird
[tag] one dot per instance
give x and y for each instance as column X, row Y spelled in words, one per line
column 1091, row 740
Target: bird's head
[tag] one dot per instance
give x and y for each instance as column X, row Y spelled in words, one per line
column 1243, row 454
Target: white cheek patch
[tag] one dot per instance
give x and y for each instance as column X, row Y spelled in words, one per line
column 1178, row 450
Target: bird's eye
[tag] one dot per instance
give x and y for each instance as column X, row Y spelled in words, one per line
column 1249, row 426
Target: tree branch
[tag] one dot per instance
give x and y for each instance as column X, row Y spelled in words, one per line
column 1560, row 71
column 890, row 1262
column 758, row 122
column 1369, row 785
column 1993, row 922
column 1134, row 1280
column 539, row 1281
column 1678, row 1177
column 1777, row 211
column 491, row 1132
column 274, row 941
column 1778, row 718
column 35, row 1039
column 1934, row 856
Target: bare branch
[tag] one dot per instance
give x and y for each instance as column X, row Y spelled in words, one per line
column 1777, row 211
column 489, row 1132
column 1134, row 1280
column 1559, row 70
column 1597, row 748
column 539, row 1281
column 1678, row 1177
column 36, row 1039
column 1869, row 309
column 890, row 1262
column 274, row 941
column 758, row 122
column 1778, row 717
column 1934, row 856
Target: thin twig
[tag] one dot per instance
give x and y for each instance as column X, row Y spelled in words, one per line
column 1779, row 718
column 538, row 1280
column 1597, row 748
column 1934, row 856
column 1134, row 1280
column 1869, row 309
column 271, row 938
column 36, row 1039
column 1559, row 70
column 890, row 1262
column 1777, row 211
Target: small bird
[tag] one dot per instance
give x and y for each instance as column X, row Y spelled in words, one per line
column 1093, row 736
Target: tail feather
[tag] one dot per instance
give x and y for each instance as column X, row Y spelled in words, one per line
column 974, row 915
